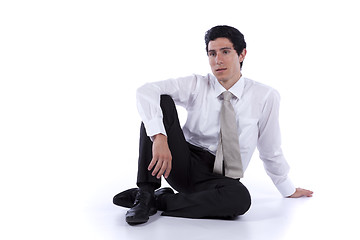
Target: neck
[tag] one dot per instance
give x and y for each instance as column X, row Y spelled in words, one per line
column 228, row 84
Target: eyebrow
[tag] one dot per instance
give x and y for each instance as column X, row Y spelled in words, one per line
column 224, row 48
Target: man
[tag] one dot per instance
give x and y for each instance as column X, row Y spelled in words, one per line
column 228, row 116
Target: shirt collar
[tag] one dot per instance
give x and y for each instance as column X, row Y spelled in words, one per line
column 237, row 89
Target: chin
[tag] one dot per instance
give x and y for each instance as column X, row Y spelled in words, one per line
column 220, row 79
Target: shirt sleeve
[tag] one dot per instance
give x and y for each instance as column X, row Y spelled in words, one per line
column 269, row 145
column 181, row 90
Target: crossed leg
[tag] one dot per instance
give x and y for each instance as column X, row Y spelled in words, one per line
column 201, row 193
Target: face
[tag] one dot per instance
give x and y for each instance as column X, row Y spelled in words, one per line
column 224, row 61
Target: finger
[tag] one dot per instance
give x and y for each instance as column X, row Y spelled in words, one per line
column 162, row 170
column 152, row 163
column 157, row 167
column 309, row 193
column 168, row 169
column 305, row 191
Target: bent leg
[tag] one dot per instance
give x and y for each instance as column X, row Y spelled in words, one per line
column 209, row 195
column 202, row 194
column 179, row 148
column 145, row 156
column 220, row 201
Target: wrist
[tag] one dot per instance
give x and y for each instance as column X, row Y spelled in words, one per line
column 159, row 137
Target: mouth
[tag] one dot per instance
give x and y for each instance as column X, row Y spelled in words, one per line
column 220, row 69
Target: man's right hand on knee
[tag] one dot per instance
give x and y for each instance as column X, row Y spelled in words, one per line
column 161, row 161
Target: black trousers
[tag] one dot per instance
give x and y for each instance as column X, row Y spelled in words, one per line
column 201, row 193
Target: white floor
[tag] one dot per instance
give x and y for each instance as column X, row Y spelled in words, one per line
column 270, row 217
column 78, row 211
column 81, row 208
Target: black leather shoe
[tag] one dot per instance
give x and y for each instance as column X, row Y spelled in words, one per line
column 143, row 207
column 158, row 197
column 126, row 198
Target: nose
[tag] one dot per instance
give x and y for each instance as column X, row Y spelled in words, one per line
column 219, row 59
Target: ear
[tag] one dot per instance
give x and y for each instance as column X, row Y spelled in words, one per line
column 242, row 55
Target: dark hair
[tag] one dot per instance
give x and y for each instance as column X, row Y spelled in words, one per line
column 231, row 33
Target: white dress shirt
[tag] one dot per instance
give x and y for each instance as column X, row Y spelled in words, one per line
column 257, row 111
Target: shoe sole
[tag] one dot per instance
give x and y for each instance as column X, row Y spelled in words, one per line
column 125, row 198
column 132, row 221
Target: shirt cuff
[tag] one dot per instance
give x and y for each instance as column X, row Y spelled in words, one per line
column 286, row 188
column 155, row 126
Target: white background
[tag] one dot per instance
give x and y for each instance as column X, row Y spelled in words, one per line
column 69, row 125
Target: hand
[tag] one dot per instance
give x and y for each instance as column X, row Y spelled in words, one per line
column 301, row 193
column 161, row 157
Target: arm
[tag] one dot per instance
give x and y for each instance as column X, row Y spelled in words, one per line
column 269, row 145
column 182, row 91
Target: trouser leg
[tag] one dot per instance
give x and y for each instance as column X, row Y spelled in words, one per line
column 209, row 195
column 145, row 156
column 178, row 147
column 224, row 201
column 202, row 194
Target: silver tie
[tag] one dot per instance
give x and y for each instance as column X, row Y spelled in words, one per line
column 228, row 151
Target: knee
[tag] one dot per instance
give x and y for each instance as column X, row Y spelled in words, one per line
column 166, row 101
column 241, row 200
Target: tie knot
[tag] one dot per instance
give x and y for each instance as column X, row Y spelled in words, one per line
column 227, row 95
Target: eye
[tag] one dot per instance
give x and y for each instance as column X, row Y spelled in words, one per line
column 226, row 52
column 212, row 54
